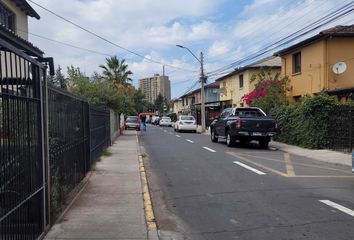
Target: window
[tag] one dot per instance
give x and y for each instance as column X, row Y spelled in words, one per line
column 241, row 80
column 297, row 62
column 7, row 18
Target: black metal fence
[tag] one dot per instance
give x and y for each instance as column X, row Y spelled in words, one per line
column 99, row 131
column 22, row 185
column 78, row 134
column 49, row 139
column 68, row 145
column 341, row 129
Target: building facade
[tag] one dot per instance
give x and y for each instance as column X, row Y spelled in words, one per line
column 309, row 64
column 153, row 86
column 236, row 84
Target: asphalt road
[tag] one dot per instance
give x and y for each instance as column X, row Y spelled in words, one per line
column 205, row 190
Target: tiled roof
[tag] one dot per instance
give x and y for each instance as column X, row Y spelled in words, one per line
column 271, row 61
column 338, row 31
column 25, row 7
column 19, row 42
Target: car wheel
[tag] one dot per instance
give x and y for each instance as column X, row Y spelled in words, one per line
column 263, row 143
column 230, row 141
column 213, row 137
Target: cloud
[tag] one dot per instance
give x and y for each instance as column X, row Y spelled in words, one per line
column 152, row 28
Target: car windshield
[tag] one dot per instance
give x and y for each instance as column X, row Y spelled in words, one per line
column 166, row 118
column 191, row 118
column 132, row 119
column 249, row 112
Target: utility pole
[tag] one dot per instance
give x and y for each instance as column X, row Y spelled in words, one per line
column 202, row 93
column 202, row 81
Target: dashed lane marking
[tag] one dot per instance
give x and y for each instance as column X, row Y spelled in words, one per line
column 289, row 166
column 178, row 136
column 257, row 164
column 209, row 149
column 189, row 141
column 250, row 168
column 338, row 207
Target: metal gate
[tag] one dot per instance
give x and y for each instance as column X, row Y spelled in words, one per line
column 22, row 184
column 341, row 129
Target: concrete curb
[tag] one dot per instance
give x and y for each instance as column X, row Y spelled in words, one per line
column 148, row 208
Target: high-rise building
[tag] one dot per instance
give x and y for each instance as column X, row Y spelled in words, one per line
column 153, row 86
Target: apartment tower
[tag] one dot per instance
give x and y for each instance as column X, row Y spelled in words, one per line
column 153, row 86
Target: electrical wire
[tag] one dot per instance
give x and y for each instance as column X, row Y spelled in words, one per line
column 108, row 41
column 341, row 12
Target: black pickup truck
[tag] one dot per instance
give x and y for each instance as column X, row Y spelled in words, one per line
column 243, row 124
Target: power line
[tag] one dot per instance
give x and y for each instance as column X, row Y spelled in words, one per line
column 333, row 16
column 266, row 29
column 64, row 43
column 106, row 40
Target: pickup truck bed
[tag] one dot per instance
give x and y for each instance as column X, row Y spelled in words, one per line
column 244, row 125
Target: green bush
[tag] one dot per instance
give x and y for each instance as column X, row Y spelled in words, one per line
column 306, row 125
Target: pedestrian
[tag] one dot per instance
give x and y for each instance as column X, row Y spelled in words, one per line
column 143, row 122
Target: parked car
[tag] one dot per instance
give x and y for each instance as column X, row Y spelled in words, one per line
column 165, row 121
column 156, row 121
column 132, row 122
column 185, row 123
column 244, row 124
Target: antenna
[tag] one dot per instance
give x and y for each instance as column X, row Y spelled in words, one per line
column 339, row 68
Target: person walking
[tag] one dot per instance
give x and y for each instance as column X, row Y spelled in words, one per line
column 143, row 122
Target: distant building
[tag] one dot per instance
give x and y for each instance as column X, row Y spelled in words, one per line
column 153, row 86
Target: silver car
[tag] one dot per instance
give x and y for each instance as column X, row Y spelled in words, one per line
column 132, row 122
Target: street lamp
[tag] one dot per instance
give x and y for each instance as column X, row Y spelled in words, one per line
column 202, row 80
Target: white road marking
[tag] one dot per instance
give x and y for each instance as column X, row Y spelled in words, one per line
column 249, row 168
column 209, row 149
column 339, row 207
column 189, row 141
column 178, row 136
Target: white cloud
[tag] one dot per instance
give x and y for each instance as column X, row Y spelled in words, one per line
column 153, row 27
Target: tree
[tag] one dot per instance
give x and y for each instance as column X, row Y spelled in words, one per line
column 159, row 103
column 58, row 79
column 141, row 105
column 116, row 72
column 270, row 91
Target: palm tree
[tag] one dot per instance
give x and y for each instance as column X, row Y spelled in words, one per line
column 116, row 71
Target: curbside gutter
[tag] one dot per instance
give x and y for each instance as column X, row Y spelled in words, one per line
column 148, row 208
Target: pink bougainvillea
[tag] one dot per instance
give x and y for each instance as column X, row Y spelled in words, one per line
column 260, row 91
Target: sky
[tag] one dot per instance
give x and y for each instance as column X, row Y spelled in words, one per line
column 145, row 33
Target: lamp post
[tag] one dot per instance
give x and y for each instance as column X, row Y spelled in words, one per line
column 202, row 81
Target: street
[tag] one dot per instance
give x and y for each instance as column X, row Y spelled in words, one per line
column 205, row 190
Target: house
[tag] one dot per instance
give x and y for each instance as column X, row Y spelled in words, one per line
column 14, row 25
column 177, row 106
column 311, row 64
column 191, row 102
column 236, row 84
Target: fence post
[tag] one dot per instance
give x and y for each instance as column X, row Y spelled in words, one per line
column 45, row 146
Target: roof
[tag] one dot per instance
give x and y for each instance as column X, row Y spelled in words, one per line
column 271, row 61
column 337, row 31
column 210, row 85
column 19, row 42
column 26, row 8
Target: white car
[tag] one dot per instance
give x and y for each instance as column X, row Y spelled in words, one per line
column 186, row 123
column 165, row 121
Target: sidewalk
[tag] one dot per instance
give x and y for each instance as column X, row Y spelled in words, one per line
column 323, row 155
column 111, row 205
